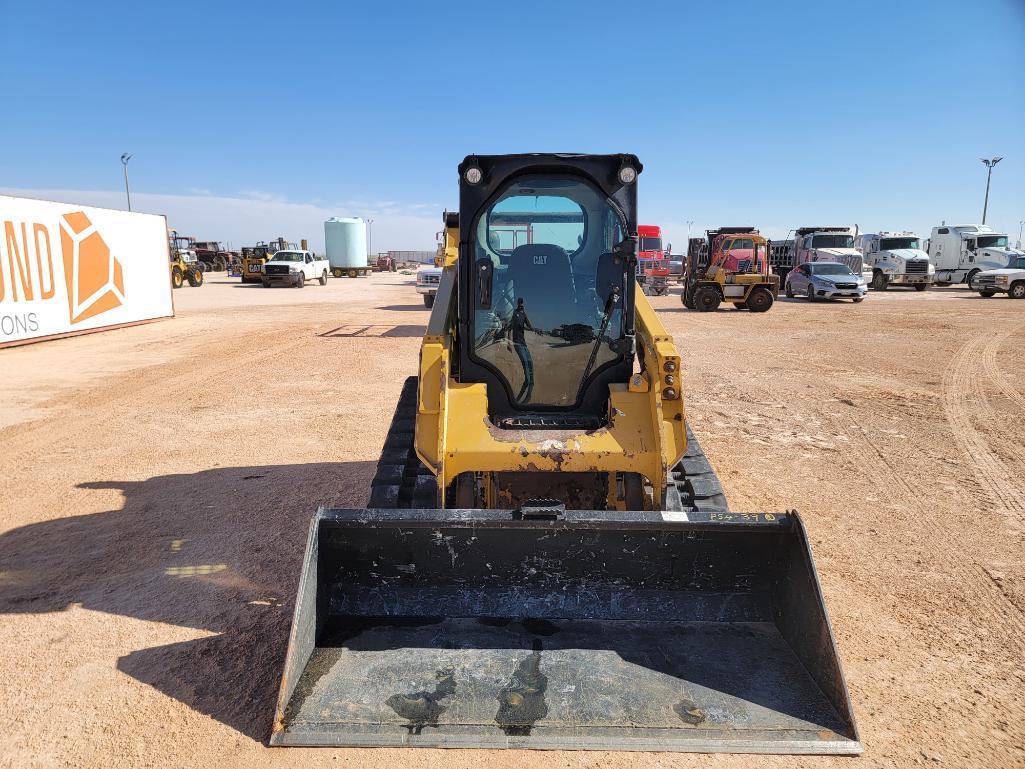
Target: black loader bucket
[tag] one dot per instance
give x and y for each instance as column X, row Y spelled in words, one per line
column 590, row 630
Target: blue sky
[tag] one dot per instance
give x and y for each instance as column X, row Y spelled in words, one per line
column 251, row 120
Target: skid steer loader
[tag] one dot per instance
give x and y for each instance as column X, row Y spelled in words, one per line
column 548, row 560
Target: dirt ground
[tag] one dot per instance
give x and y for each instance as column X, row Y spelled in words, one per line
column 158, row 483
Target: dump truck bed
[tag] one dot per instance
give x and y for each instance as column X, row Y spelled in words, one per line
column 593, row 630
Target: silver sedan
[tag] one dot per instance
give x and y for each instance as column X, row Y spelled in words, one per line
column 824, row 280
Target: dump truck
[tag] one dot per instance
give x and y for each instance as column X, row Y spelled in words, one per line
column 547, row 559
column 828, row 244
column 732, row 266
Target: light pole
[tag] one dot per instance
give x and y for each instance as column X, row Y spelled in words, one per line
column 689, row 224
column 989, row 163
column 125, row 157
column 370, row 237
column 1020, row 225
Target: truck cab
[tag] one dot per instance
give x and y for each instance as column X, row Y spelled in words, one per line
column 652, row 259
column 961, row 251
column 894, row 259
column 827, row 244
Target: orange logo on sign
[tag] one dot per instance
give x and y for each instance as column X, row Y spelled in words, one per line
column 92, row 274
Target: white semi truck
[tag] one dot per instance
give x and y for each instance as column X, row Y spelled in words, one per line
column 960, row 251
column 827, row 244
column 895, row 259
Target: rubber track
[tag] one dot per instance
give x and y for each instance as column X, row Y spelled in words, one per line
column 692, row 485
column 403, row 482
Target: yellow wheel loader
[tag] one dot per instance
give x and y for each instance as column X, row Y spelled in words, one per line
column 184, row 264
column 548, row 560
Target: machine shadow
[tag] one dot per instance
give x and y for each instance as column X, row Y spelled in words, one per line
column 404, row 308
column 219, row 550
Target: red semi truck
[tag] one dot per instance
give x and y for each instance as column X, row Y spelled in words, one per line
column 652, row 260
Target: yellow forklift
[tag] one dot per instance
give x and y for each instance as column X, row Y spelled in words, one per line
column 732, row 266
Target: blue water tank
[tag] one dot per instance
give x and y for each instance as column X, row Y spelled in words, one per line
column 345, row 240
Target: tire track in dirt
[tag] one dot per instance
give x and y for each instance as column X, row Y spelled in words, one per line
column 964, row 401
column 989, row 363
column 991, row 599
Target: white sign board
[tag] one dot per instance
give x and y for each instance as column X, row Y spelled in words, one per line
column 66, row 269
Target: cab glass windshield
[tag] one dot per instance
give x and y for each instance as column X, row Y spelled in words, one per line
column 289, row 256
column 552, row 322
column 650, row 244
column 832, row 241
column 892, row 244
column 992, row 241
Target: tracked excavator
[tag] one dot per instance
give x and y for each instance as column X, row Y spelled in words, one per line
column 547, row 559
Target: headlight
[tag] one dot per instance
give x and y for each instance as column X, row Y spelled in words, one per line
column 293, row 270
column 1001, row 278
column 627, row 174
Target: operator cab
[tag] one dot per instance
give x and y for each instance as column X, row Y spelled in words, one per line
column 545, row 284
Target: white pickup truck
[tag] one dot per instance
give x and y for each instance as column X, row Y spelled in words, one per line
column 427, row 281
column 1008, row 280
column 294, row 268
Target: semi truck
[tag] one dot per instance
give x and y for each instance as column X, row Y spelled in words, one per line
column 959, row 252
column 894, row 259
column 827, row 244
column 652, row 260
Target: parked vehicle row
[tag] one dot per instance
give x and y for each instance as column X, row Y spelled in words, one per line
column 952, row 254
column 839, row 262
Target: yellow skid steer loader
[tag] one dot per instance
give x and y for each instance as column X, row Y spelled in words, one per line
column 548, row 560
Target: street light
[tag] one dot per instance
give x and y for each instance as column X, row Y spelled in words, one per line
column 370, row 236
column 1020, row 225
column 125, row 157
column 689, row 223
column 989, row 164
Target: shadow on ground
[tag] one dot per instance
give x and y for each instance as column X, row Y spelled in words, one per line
column 404, row 308
column 219, row 550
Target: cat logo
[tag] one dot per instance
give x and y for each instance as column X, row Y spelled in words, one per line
column 541, row 259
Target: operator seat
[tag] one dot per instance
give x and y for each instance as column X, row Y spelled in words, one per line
column 542, row 276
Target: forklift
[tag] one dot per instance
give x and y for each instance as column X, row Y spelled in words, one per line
column 731, row 265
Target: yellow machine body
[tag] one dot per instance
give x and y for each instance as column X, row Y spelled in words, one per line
column 646, row 431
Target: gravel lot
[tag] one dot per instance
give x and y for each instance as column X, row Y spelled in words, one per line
column 158, row 483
